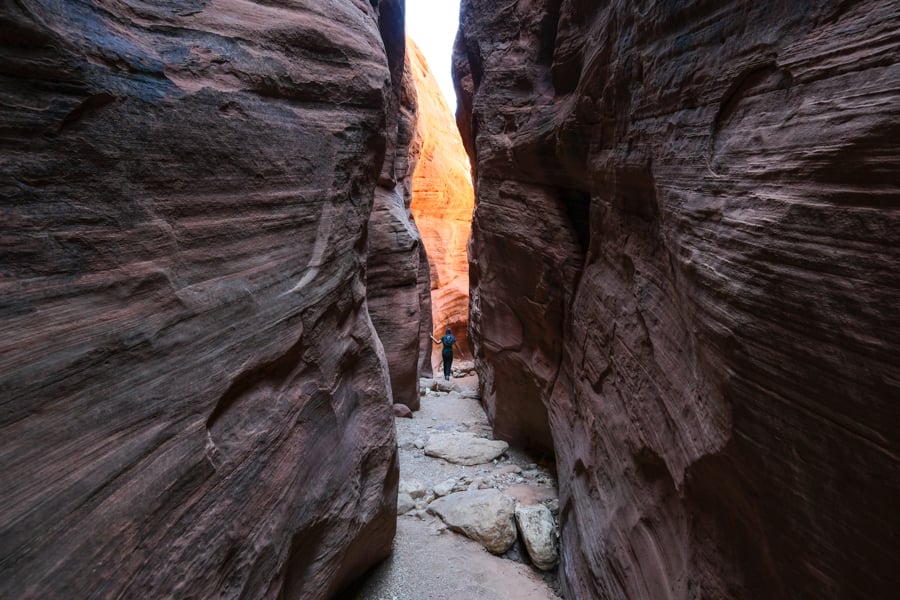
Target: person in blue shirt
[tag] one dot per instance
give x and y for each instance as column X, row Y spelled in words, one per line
column 447, row 352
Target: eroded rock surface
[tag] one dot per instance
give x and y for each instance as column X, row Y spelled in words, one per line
column 686, row 249
column 398, row 275
column 442, row 200
column 194, row 401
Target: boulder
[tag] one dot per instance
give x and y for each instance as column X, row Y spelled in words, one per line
column 402, row 411
column 485, row 516
column 538, row 531
column 464, row 448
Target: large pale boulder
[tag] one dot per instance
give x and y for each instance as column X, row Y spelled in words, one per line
column 193, row 401
column 464, row 448
column 442, row 201
column 538, row 532
column 685, row 264
column 485, row 516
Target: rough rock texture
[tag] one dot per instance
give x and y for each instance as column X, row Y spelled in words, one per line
column 538, row 532
column 485, row 516
column 442, row 201
column 686, row 249
column 398, row 274
column 193, row 401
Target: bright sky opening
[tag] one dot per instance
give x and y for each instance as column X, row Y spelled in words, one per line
column 432, row 24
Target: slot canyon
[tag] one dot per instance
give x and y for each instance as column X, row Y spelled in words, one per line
column 666, row 235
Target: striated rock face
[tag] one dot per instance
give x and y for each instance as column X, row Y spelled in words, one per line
column 399, row 292
column 442, row 201
column 685, row 260
column 193, row 401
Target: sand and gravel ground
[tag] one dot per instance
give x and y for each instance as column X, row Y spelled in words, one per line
column 430, row 562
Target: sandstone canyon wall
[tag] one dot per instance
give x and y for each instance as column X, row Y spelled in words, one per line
column 399, row 280
column 442, row 202
column 686, row 265
column 194, row 400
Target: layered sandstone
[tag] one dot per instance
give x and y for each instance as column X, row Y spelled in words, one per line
column 442, row 201
column 398, row 277
column 194, row 401
column 685, row 258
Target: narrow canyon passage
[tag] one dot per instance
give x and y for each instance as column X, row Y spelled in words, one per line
column 432, row 559
column 229, row 229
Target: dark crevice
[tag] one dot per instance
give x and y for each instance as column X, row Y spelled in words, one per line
column 577, row 204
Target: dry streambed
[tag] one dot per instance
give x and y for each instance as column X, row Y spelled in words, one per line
column 476, row 518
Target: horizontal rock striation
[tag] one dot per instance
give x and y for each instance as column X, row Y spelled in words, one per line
column 193, row 401
column 398, row 277
column 685, row 258
column 442, row 202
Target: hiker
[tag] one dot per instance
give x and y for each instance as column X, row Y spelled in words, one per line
column 447, row 353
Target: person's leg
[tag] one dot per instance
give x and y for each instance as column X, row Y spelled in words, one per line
column 448, row 360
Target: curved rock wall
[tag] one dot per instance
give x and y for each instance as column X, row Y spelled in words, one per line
column 442, row 202
column 399, row 289
column 685, row 259
column 193, row 401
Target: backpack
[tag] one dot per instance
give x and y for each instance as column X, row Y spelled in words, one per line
column 448, row 341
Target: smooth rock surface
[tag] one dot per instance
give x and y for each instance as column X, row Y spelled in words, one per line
column 538, row 531
column 485, row 516
column 686, row 263
column 464, row 448
column 442, row 201
column 193, row 400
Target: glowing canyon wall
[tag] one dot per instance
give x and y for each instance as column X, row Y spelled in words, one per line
column 442, row 201
column 686, row 268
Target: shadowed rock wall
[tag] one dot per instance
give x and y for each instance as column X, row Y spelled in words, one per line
column 193, row 401
column 442, row 204
column 685, row 259
column 399, row 289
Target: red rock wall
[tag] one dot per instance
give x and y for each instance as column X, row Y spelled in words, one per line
column 442, row 202
column 193, row 401
column 685, row 259
column 399, row 290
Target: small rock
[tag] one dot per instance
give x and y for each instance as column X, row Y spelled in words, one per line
column 538, row 531
column 444, row 487
column 404, row 504
column 402, row 411
column 507, row 469
column 414, row 488
column 419, row 443
column 485, row 516
column 553, row 505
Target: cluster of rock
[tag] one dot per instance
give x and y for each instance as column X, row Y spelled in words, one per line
column 498, row 503
column 686, row 268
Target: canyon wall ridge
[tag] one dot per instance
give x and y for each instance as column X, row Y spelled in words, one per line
column 685, row 272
